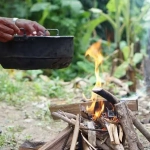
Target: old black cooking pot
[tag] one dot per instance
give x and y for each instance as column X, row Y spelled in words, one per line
column 37, row 52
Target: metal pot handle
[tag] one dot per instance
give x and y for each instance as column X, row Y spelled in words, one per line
column 52, row 30
column 24, row 31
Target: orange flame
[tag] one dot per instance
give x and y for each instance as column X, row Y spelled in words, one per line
column 94, row 52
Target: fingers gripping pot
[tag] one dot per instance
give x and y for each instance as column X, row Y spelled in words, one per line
column 37, row 52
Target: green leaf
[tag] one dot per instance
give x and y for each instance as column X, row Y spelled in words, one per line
column 54, row 7
column 137, row 58
column 121, row 70
column 75, row 5
column 87, row 67
column 44, row 15
column 126, row 52
column 112, row 7
column 90, row 26
column 39, row 6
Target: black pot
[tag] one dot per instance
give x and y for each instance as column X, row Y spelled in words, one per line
column 37, row 52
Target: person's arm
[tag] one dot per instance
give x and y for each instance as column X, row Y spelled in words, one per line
column 8, row 28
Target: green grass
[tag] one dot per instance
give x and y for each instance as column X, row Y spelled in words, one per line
column 15, row 88
column 8, row 138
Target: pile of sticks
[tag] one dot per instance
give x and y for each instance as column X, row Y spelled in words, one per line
column 83, row 134
column 116, row 137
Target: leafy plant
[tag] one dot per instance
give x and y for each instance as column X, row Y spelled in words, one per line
column 129, row 59
column 120, row 18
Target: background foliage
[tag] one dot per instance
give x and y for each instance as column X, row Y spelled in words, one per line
column 78, row 18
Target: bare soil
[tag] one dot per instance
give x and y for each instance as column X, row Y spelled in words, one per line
column 28, row 122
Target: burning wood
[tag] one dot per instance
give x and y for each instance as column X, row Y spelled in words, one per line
column 107, row 131
column 98, row 138
column 106, row 125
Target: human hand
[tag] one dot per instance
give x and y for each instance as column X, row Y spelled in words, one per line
column 31, row 27
column 7, row 29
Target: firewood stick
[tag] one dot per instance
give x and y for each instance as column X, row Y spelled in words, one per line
column 69, row 115
column 56, row 114
column 139, row 126
column 105, row 94
column 75, row 134
column 70, row 121
column 115, row 134
column 120, row 133
column 127, row 125
column 110, row 131
column 102, row 145
column 113, row 146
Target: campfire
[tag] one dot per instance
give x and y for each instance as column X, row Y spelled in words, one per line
column 108, row 126
column 103, row 124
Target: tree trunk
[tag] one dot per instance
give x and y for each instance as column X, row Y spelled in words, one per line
column 147, row 68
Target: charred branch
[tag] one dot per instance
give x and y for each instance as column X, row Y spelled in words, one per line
column 105, row 94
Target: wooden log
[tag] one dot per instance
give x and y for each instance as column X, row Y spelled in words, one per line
column 57, row 143
column 127, row 125
column 75, row 108
column 75, row 134
column 140, row 126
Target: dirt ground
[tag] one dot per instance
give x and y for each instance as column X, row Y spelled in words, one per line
column 33, row 122
column 29, row 122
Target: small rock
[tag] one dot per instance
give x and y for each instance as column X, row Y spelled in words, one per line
column 28, row 120
column 122, row 93
column 144, row 103
column 145, row 112
column 49, row 128
column 139, row 113
column 148, row 106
